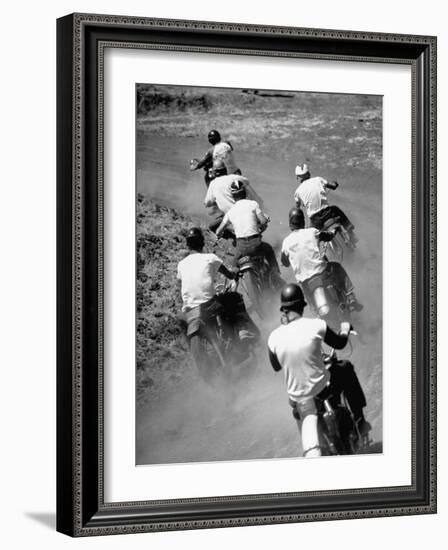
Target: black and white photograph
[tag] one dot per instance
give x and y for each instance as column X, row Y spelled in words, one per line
column 259, row 274
column 175, row 369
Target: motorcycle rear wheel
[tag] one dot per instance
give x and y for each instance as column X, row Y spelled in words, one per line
column 343, row 441
column 206, row 355
column 335, row 249
column 253, row 292
column 349, row 435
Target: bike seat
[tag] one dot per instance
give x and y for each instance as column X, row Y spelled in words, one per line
column 331, row 222
column 247, row 261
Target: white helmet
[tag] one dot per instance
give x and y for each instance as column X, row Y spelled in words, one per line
column 302, row 169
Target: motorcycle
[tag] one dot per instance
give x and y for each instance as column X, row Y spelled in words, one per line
column 338, row 431
column 215, row 331
column 258, row 279
column 254, row 272
column 260, row 284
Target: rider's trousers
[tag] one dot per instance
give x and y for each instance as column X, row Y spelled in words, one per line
column 334, row 273
column 254, row 246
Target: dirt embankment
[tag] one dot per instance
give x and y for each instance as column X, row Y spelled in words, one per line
column 163, row 358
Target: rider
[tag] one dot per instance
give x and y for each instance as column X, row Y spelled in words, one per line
column 219, row 196
column 301, row 251
column 296, row 347
column 218, row 160
column 248, row 223
column 197, row 273
column 312, row 194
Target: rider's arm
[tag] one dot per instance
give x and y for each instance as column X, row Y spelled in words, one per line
column 337, row 341
column 297, row 198
column 222, row 226
column 333, row 185
column 263, row 220
column 227, row 273
column 274, row 361
column 209, row 197
column 285, row 259
column 207, row 159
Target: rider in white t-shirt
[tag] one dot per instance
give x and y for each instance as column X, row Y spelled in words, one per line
column 312, row 195
column 301, row 251
column 222, row 155
column 246, row 218
column 197, row 272
column 296, row 348
column 219, row 192
column 248, row 222
column 219, row 198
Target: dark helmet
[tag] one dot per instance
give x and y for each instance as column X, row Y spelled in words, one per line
column 214, row 137
column 237, row 189
column 292, row 298
column 195, row 238
column 296, row 218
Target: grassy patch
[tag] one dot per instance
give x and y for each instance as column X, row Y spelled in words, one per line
column 299, row 123
column 163, row 358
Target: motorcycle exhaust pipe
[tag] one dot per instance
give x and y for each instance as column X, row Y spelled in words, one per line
column 320, row 301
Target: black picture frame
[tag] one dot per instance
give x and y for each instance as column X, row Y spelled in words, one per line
column 81, row 510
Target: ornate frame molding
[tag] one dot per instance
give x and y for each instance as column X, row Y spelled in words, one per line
column 81, row 509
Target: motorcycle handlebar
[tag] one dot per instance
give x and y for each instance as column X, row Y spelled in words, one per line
column 331, row 355
column 333, row 185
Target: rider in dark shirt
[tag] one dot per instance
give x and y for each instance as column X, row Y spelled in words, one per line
column 218, row 160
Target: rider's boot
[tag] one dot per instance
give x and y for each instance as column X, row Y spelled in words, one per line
column 349, row 226
column 353, row 304
column 363, row 426
column 353, row 238
column 246, row 335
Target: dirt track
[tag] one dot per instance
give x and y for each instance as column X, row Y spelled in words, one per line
column 251, row 419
